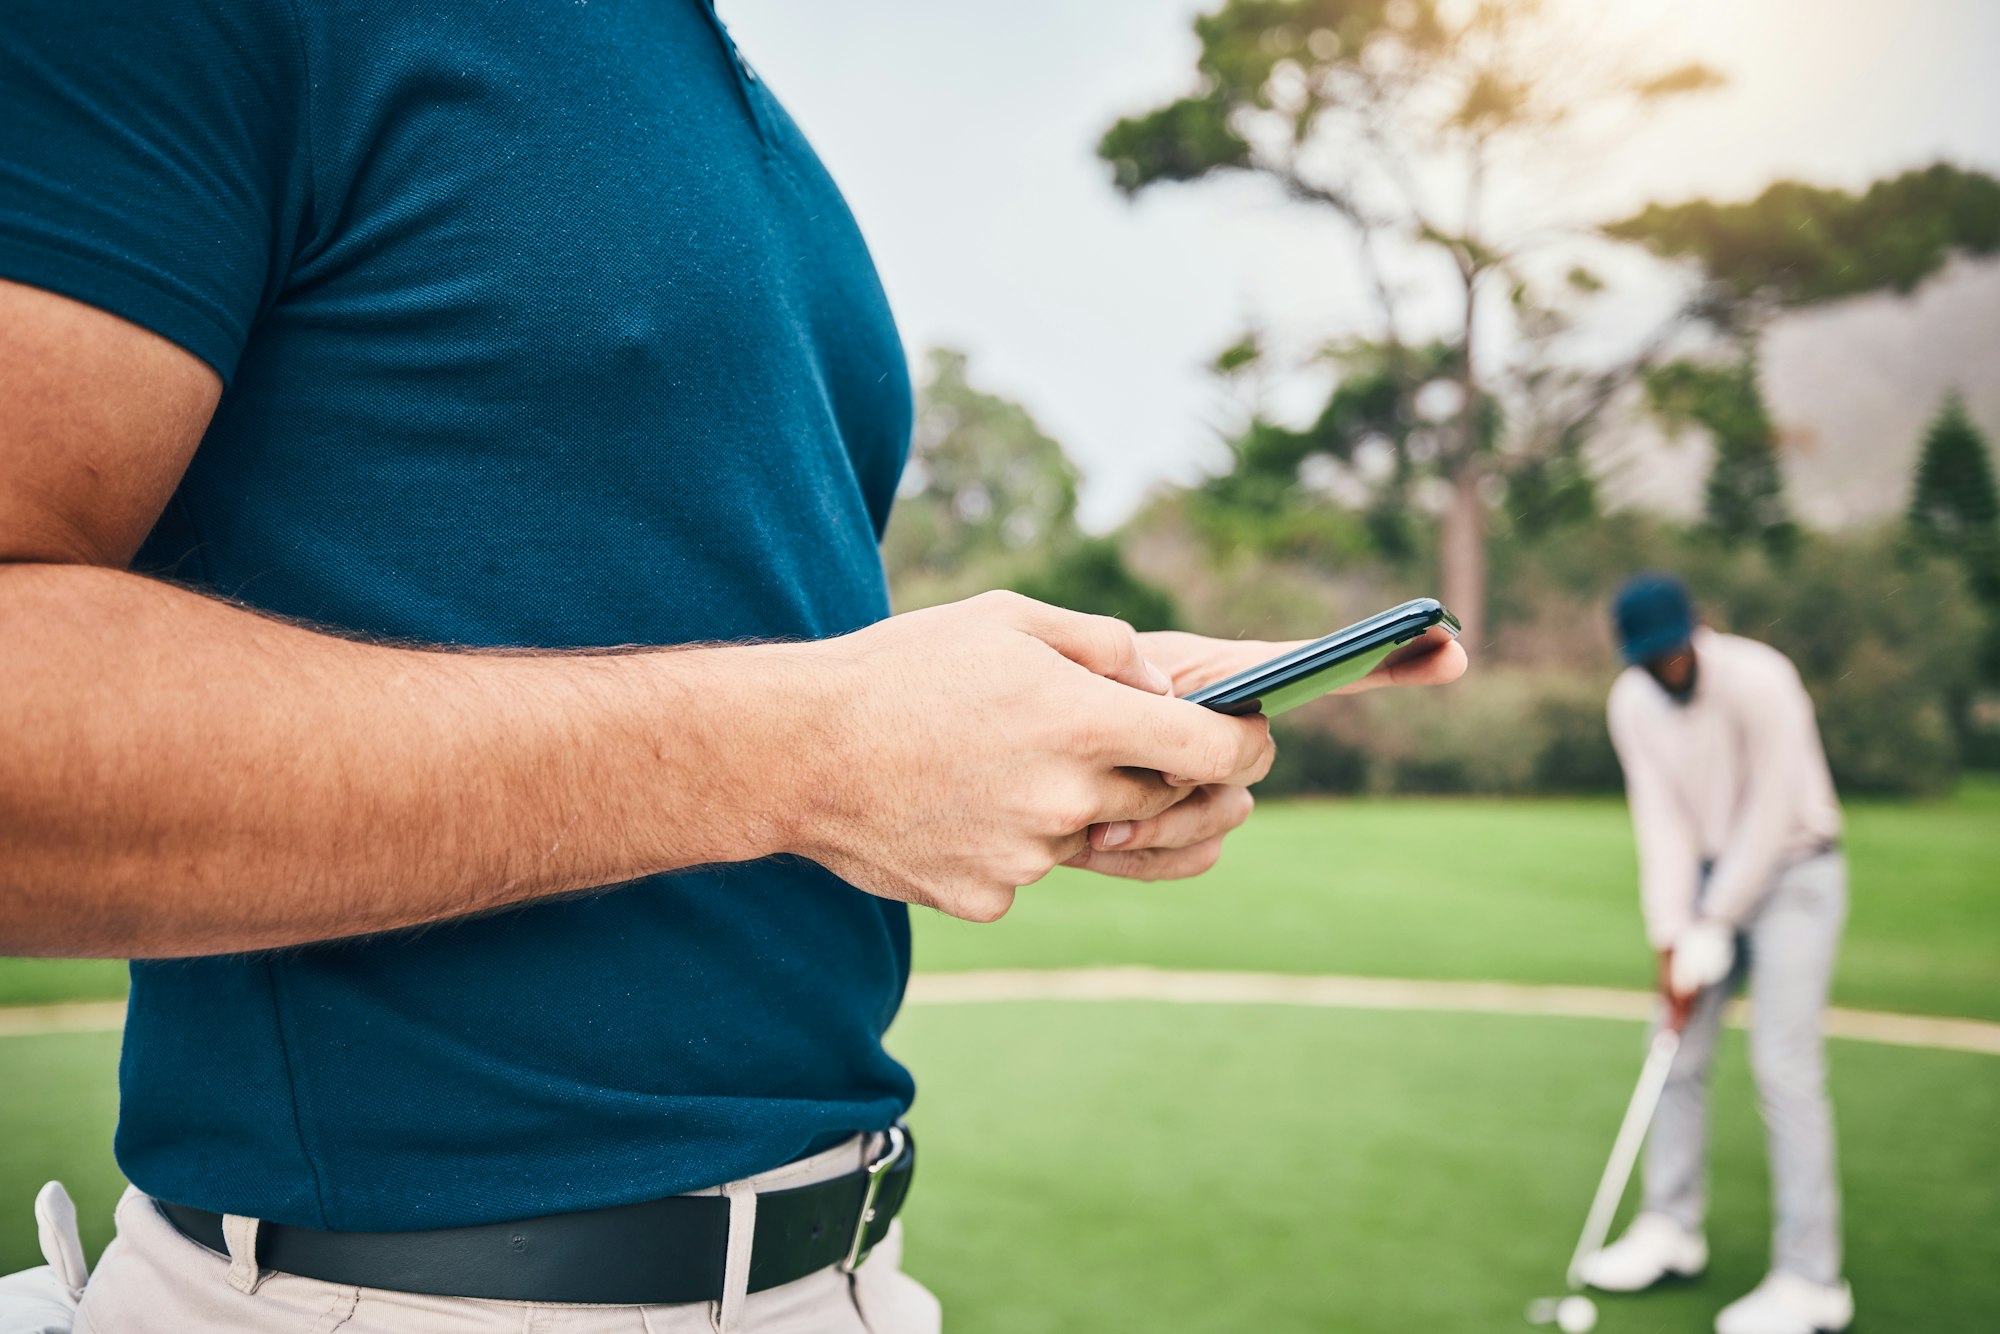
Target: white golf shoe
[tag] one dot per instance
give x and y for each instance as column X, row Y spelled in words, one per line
column 1788, row 1304
column 1653, row 1248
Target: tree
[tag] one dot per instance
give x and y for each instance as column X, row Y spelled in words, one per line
column 1398, row 119
column 984, row 483
column 989, row 501
column 1801, row 245
column 1953, row 498
column 1744, row 499
column 1370, row 422
column 1090, row 574
column 1955, row 511
column 1794, row 245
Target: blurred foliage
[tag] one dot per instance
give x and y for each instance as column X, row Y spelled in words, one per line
column 1884, row 625
column 1397, row 119
column 1500, row 730
column 1347, row 106
column 1885, row 640
column 984, row 482
column 989, row 501
column 1955, row 511
column 1090, row 574
column 1882, row 636
column 1798, row 244
column 1744, row 499
column 1954, row 497
column 1550, row 492
column 1794, row 245
column 1444, row 74
column 1341, row 485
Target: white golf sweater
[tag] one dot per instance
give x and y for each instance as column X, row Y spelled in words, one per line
column 1735, row 777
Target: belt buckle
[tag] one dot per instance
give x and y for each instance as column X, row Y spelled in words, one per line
column 858, row 1249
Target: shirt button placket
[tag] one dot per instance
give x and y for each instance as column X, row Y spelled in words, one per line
column 744, row 73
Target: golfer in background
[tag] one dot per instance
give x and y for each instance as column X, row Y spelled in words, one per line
column 1740, row 875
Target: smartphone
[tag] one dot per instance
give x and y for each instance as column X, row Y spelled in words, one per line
column 1342, row 658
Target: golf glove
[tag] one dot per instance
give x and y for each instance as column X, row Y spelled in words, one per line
column 43, row 1300
column 1704, row 952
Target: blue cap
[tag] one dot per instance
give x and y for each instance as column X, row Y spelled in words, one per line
column 1654, row 615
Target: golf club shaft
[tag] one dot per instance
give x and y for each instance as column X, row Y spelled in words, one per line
column 1625, row 1149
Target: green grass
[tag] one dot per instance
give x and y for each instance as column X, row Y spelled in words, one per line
column 1528, row 891
column 1132, row 1167
column 1141, row 1167
column 58, row 1105
column 41, row 981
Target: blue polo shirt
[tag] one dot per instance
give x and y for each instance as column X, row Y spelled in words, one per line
column 540, row 324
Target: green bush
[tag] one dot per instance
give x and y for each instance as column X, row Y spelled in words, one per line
column 1885, row 639
column 1501, row 730
column 1311, row 761
column 1090, row 574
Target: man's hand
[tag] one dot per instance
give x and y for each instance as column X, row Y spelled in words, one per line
column 1703, row 954
column 1186, row 839
column 1679, row 1007
column 1195, row 660
column 1700, row 957
column 972, row 746
column 182, row 776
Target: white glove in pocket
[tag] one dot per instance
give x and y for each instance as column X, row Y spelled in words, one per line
column 43, row 1300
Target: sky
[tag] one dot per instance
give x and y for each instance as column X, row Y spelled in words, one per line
column 963, row 136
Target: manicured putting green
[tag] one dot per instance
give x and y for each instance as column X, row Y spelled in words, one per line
column 1096, row 1167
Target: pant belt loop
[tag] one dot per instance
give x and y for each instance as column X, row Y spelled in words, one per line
column 240, row 1234
column 736, row 1266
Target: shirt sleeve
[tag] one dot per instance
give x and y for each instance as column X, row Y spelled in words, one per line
column 153, row 160
column 1669, row 855
column 1779, row 733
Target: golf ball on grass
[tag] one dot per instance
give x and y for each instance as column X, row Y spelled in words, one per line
column 1576, row 1315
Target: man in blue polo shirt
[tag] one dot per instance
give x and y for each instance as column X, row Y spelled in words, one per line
column 381, row 385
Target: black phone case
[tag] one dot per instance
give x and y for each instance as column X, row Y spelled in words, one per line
column 1246, row 691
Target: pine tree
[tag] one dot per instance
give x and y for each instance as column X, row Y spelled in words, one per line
column 1745, row 496
column 1954, row 498
column 1955, row 510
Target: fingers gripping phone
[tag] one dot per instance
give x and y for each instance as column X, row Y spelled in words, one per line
column 1340, row 659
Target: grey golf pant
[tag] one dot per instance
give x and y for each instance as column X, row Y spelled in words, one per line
column 1787, row 950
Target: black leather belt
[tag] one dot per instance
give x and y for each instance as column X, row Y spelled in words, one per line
column 659, row 1253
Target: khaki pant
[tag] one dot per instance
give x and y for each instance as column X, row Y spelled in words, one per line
column 152, row 1280
column 1787, row 951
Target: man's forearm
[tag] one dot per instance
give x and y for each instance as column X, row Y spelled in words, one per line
column 1778, row 736
column 180, row 776
column 1669, row 854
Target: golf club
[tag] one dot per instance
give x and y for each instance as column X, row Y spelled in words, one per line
column 1576, row 1313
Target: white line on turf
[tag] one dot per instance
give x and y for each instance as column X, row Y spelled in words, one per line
column 1392, row 993
column 1206, row 988
column 26, row 1021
